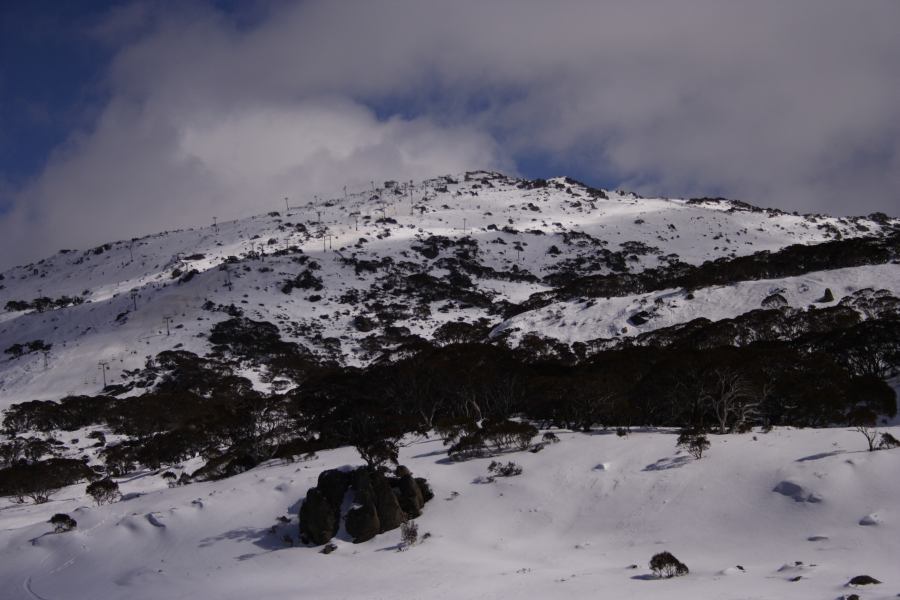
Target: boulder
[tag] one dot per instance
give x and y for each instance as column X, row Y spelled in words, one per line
column 361, row 482
column 318, row 520
column 390, row 515
column 410, row 497
column 333, row 484
column 828, row 296
column 427, row 494
column 362, row 522
column 639, row 318
column 863, row 580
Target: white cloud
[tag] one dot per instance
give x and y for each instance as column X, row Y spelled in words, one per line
column 142, row 171
column 786, row 104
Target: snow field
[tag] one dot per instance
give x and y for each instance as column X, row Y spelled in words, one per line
column 564, row 528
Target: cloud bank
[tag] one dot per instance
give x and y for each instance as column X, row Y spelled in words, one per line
column 795, row 105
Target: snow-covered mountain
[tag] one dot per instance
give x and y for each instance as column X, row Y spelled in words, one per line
column 586, row 337
column 398, row 261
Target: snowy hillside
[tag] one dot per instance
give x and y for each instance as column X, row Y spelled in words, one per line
column 377, row 264
column 260, row 408
column 571, row 525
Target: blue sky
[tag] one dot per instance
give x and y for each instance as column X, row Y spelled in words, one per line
column 124, row 118
column 49, row 75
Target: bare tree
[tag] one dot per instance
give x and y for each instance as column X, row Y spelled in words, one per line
column 870, row 433
column 731, row 397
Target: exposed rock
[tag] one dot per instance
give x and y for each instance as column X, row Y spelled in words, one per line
column 871, row 520
column 318, row 520
column 427, row 494
column 380, row 503
column 390, row 515
column 409, row 494
column 863, row 580
column 361, row 481
column 774, row 301
column 333, row 484
column 639, row 318
column 362, row 522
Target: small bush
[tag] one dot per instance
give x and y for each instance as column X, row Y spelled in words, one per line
column 666, row 565
column 409, row 534
column 550, row 438
column 104, row 491
column 170, row 478
column 498, row 469
column 888, row 441
column 694, row 442
column 506, row 435
column 62, row 522
column 468, row 446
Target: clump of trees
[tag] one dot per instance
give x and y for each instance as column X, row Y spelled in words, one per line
column 17, row 350
column 44, row 303
column 104, row 491
column 39, row 480
column 766, row 368
column 493, row 435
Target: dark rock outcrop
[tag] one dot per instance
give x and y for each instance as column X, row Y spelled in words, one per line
column 390, row 515
column 380, row 503
column 427, row 494
column 410, row 497
column 333, row 484
column 639, row 318
column 863, row 580
column 318, row 520
column 362, row 522
column 774, row 301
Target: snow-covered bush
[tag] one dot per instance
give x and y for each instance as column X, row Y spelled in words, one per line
column 409, row 534
column 666, row 565
column 550, row 438
column 888, row 441
column 498, row 469
column 62, row 522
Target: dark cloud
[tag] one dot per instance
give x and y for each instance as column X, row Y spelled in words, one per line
column 782, row 104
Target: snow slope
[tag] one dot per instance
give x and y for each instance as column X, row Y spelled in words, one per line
column 136, row 305
column 588, row 319
column 571, row 525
